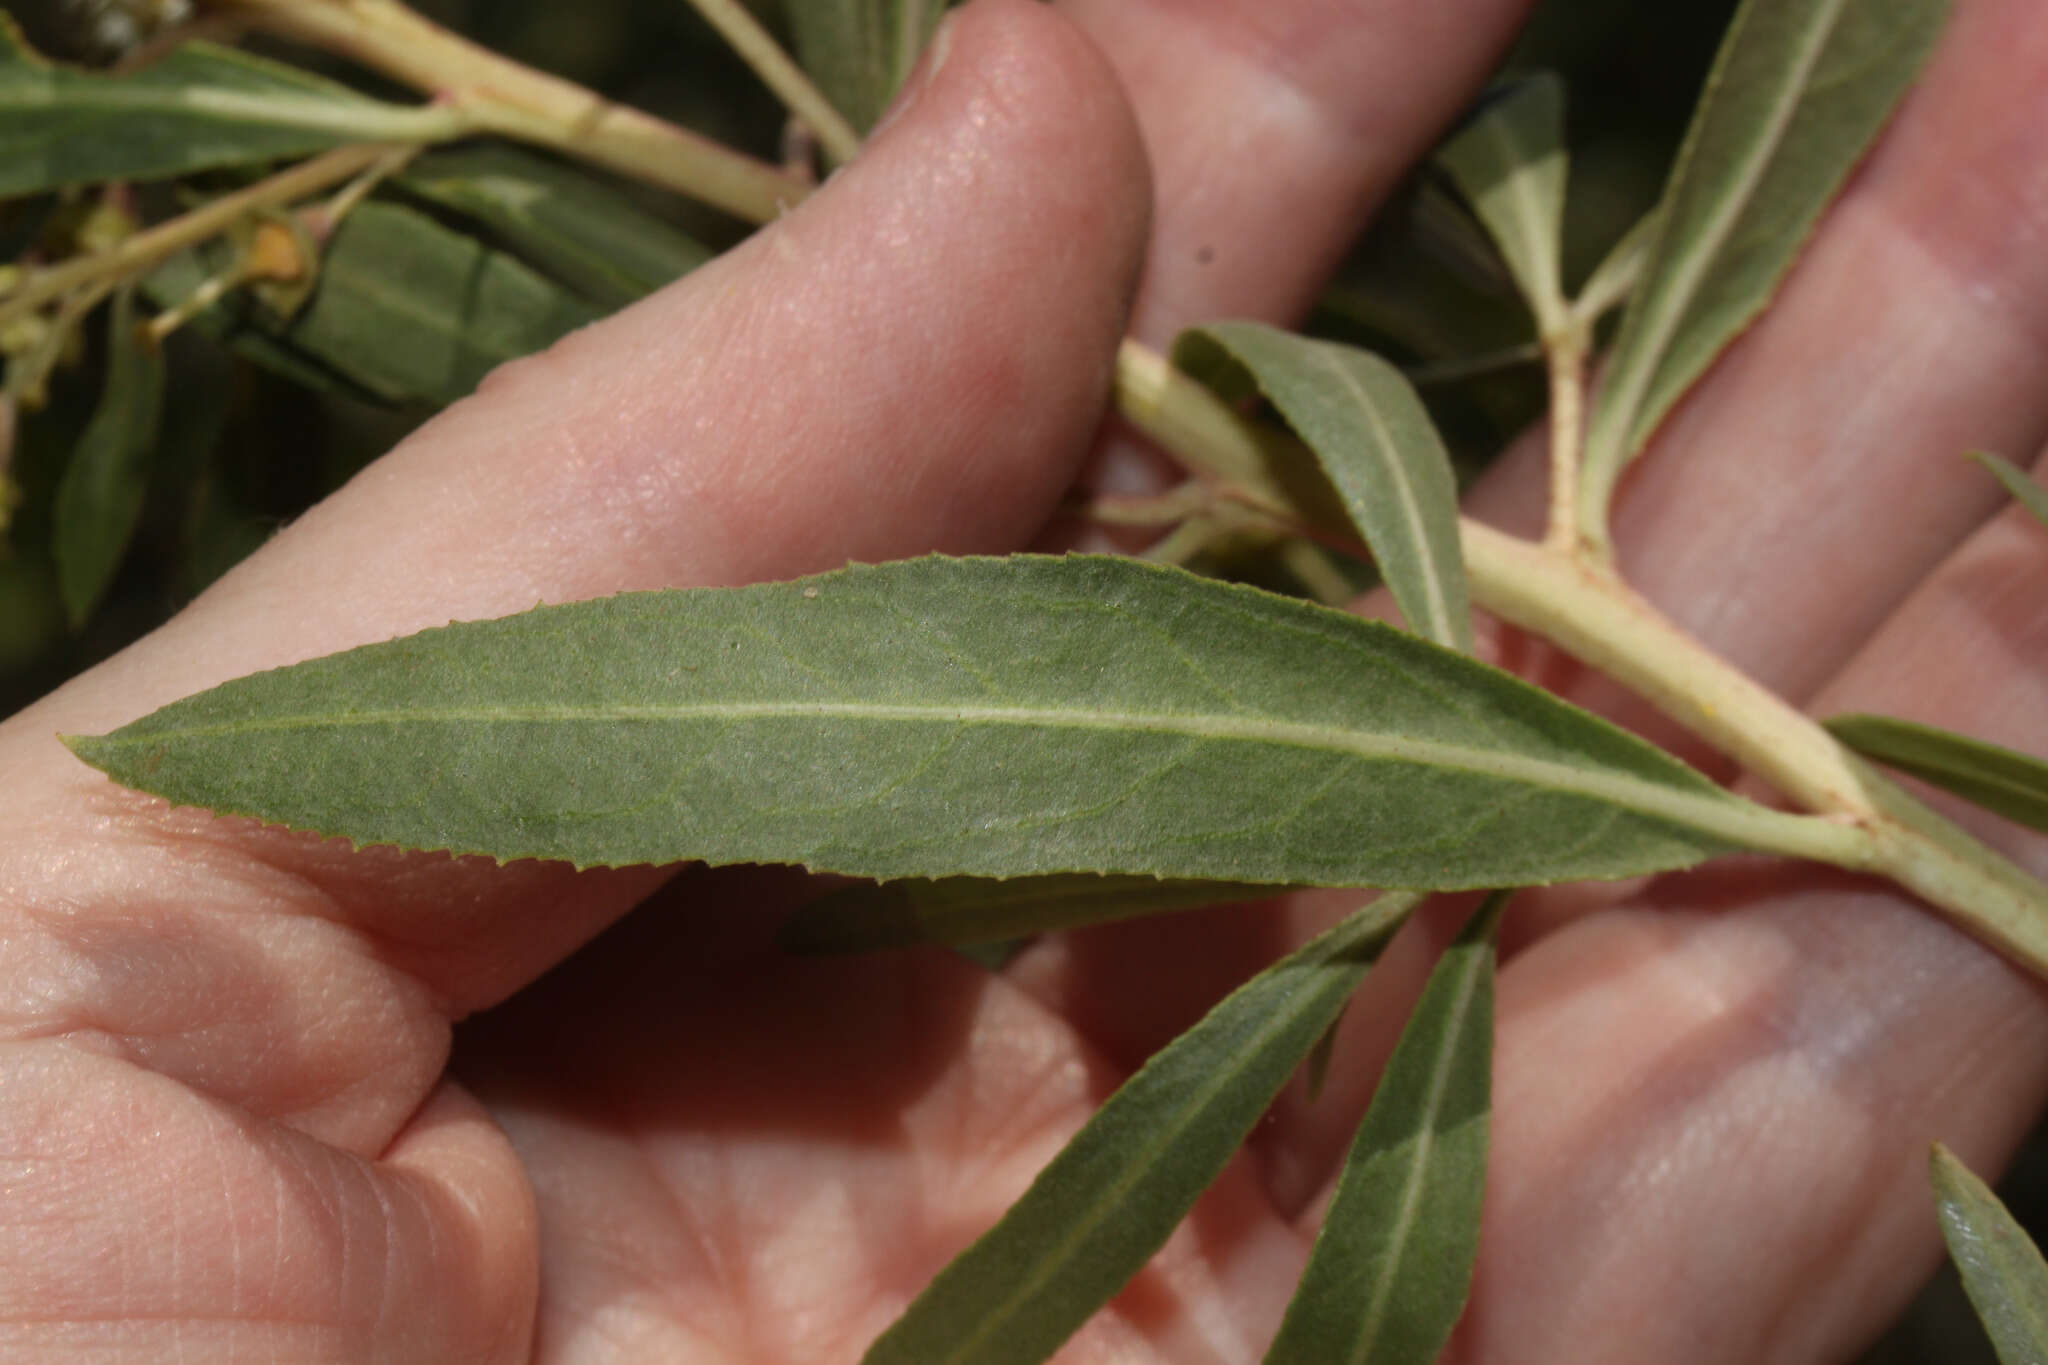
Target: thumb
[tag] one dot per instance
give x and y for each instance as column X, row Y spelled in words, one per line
column 912, row 360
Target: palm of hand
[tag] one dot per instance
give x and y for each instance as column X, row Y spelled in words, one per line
column 226, row 1083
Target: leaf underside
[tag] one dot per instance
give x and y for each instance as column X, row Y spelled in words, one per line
column 1798, row 92
column 1509, row 164
column 1113, row 1195
column 2001, row 1267
column 1379, row 448
column 1392, row 1265
column 942, row 717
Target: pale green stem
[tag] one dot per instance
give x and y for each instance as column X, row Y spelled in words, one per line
column 1564, row 353
column 1865, row 822
column 145, row 250
column 494, row 94
column 743, row 32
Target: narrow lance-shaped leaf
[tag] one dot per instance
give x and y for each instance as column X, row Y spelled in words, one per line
column 100, row 498
column 571, row 225
column 1509, row 162
column 2031, row 495
column 1115, row 1193
column 968, row 910
column 941, row 717
column 1378, row 447
column 1798, row 91
column 2002, row 1269
column 860, row 51
column 198, row 107
column 2002, row 780
column 1392, row 1266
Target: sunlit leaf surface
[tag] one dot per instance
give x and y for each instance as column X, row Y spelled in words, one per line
column 942, row 717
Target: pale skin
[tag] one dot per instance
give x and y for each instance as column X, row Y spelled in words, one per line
column 239, row 1120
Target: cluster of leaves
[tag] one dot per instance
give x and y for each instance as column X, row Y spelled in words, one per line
column 1133, row 739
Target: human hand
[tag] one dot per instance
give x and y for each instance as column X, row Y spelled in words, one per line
column 229, row 1107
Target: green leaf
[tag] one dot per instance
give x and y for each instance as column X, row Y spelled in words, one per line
column 1379, row 448
column 860, row 51
column 942, row 717
column 1799, row 90
column 241, row 325
column 405, row 309
column 572, row 226
column 1116, row 1191
column 100, row 498
column 2001, row 1267
column 200, row 106
column 410, row 310
column 2031, row 495
column 2002, row 780
column 1614, row 279
column 964, row 910
column 1509, row 162
column 1393, row 1263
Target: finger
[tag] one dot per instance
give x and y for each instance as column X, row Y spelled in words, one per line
column 912, row 360
column 146, row 1222
column 1735, row 1168
column 783, row 1192
column 1275, row 130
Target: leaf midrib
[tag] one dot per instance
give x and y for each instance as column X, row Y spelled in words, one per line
column 1418, row 1167
column 1708, row 810
column 1532, row 213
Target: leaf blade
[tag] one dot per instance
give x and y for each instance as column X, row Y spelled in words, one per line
column 1798, row 92
column 99, row 501
column 201, row 106
column 1509, row 163
column 2002, row 780
column 404, row 309
column 1386, row 1283
column 944, row 717
column 1114, row 1194
column 2002, row 1269
column 1381, row 452
column 573, row 226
